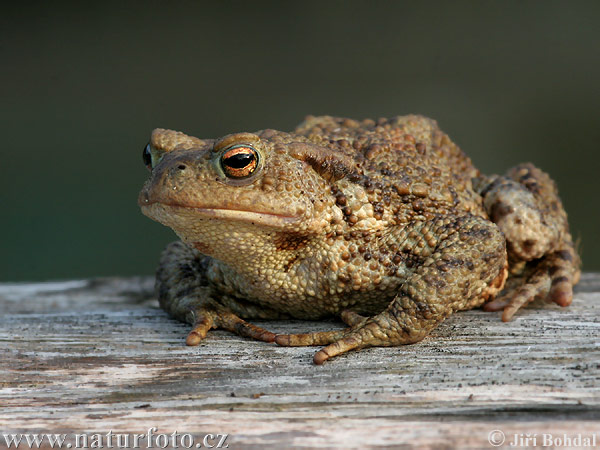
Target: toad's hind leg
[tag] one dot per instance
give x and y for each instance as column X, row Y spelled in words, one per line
column 543, row 261
column 463, row 264
column 185, row 293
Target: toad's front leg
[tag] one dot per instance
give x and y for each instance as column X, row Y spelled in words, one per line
column 462, row 264
column 186, row 294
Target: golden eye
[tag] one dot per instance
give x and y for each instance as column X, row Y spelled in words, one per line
column 239, row 161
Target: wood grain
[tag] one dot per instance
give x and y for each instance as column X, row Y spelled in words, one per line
column 97, row 355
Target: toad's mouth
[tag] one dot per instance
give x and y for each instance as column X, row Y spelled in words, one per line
column 163, row 212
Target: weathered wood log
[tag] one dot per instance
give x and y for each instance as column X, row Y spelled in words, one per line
column 95, row 356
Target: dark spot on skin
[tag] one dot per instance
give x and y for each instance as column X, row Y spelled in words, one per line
column 288, row 265
column 500, row 210
column 407, row 331
column 558, row 280
column 288, row 241
column 530, row 182
column 528, row 244
column 533, row 187
column 525, row 177
column 186, row 271
column 491, row 186
column 565, row 255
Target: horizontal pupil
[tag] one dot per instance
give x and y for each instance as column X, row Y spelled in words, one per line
column 239, row 161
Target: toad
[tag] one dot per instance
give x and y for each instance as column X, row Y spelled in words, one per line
column 384, row 224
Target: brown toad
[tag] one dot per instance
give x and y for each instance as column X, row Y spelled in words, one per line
column 384, row 224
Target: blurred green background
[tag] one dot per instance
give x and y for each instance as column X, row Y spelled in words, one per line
column 83, row 84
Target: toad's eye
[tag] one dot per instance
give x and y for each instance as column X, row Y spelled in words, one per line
column 239, row 161
column 147, row 156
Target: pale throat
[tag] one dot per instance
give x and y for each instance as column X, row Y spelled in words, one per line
column 248, row 249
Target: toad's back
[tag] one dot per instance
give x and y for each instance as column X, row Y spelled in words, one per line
column 404, row 160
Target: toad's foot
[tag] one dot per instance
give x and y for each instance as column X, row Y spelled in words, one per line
column 209, row 314
column 184, row 292
column 363, row 332
column 552, row 279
